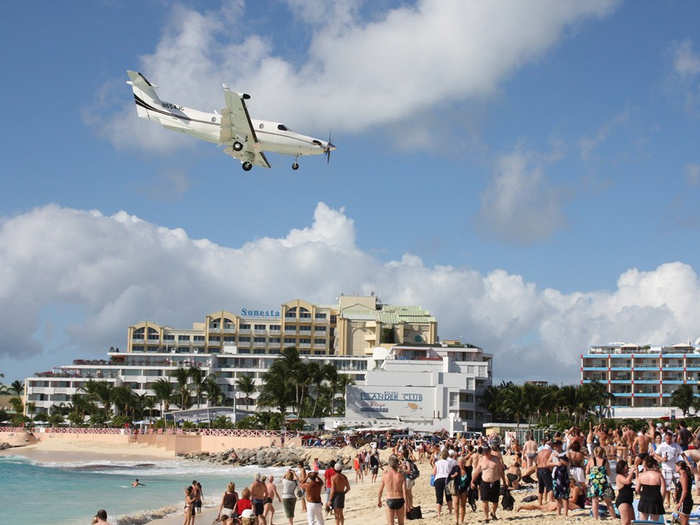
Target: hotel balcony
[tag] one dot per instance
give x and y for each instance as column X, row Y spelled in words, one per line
column 138, row 340
column 244, row 331
column 259, row 344
column 304, row 345
column 274, row 332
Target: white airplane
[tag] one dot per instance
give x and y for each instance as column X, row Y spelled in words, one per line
column 244, row 138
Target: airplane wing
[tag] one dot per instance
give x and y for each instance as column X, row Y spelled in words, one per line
column 237, row 126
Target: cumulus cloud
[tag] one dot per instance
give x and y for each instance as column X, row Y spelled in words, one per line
column 355, row 74
column 588, row 144
column 520, row 205
column 119, row 269
column 685, row 60
column 692, row 173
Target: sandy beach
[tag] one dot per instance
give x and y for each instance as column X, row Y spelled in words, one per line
column 361, row 508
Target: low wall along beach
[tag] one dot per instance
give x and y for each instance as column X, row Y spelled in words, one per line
column 176, row 443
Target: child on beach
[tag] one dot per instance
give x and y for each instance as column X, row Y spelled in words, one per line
column 560, row 485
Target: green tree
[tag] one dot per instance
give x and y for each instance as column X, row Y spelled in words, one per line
column 164, row 391
column 212, row 391
column 198, row 379
column 99, row 391
column 17, row 387
column 17, row 405
column 246, row 384
column 182, row 375
column 683, row 398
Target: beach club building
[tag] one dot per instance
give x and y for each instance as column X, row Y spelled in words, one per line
column 641, row 377
column 231, row 345
column 423, row 387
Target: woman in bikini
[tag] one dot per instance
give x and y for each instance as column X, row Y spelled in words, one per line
column 189, row 506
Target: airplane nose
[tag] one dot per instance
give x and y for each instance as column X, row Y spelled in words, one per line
column 330, row 146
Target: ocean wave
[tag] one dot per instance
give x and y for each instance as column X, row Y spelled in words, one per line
column 142, row 517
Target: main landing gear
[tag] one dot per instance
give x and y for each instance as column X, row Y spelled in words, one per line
column 237, row 146
column 295, row 164
column 247, row 166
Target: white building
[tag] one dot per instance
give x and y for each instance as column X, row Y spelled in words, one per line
column 424, row 387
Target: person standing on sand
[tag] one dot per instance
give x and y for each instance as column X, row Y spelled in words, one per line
column 530, row 450
column 374, row 464
column 314, row 507
column 270, row 494
column 490, row 468
column 544, row 464
column 288, row 493
column 340, row 486
column 227, row 506
column 301, row 478
column 395, row 482
column 189, row 506
column 258, row 493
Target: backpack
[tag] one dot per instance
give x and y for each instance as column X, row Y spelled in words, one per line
column 414, row 514
column 414, row 473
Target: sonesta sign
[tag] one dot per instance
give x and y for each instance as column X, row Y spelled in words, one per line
column 245, row 312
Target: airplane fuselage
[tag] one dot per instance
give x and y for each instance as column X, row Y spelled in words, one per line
column 272, row 136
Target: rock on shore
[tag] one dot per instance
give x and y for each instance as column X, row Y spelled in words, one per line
column 277, row 457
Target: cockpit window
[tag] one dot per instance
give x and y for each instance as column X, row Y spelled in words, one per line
column 282, row 127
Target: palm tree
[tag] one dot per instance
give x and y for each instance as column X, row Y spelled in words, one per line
column 341, row 388
column 17, row 405
column 213, row 390
column 198, row 380
column 18, row 387
column 124, row 399
column 100, row 391
column 246, row 384
column 164, row 391
column 182, row 375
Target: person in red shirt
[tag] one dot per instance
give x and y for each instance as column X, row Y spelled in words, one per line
column 328, row 476
column 244, row 502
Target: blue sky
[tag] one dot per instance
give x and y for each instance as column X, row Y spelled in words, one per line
column 576, row 162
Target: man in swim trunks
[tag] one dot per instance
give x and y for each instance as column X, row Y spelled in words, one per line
column 270, row 495
column 640, row 446
column 340, row 486
column 258, row 493
column 544, row 473
column 492, row 472
column 395, row 482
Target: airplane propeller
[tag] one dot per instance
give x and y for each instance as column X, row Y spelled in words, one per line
column 329, row 147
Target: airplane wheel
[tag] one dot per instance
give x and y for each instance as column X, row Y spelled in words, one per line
column 237, row 146
column 247, row 166
column 295, row 166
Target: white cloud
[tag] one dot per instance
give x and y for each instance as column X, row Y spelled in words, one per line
column 692, row 173
column 355, row 74
column 685, row 61
column 519, row 204
column 588, row 144
column 119, row 270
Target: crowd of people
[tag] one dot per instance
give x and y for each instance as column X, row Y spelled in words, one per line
column 602, row 467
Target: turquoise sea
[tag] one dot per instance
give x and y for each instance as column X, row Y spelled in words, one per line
column 70, row 493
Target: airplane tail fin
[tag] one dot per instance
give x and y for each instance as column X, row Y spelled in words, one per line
column 144, row 92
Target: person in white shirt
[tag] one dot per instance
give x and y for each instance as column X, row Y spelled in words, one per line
column 441, row 472
column 668, row 454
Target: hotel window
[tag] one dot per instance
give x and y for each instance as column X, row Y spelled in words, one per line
column 320, row 328
column 243, row 351
column 304, row 313
column 244, row 339
column 137, row 348
column 304, row 340
column 245, row 327
column 333, row 319
column 199, row 338
column 275, row 327
column 214, row 324
column 305, row 328
column 320, row 316
column 290, row 340
column 228, row 323
column 319, row 341
column 292, row 312
column 169, row 337
column 275, row 340
column 229, row 339
column 260, row 327
column 183, row 337
column 259, row 351
column 259, row 339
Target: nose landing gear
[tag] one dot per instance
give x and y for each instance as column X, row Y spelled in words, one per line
column 247, row 166
column 295, row 166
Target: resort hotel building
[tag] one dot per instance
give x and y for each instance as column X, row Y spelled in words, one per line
column 641, row 377
column 230, row 345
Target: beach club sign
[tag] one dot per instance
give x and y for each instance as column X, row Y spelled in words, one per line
column 389, row 402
